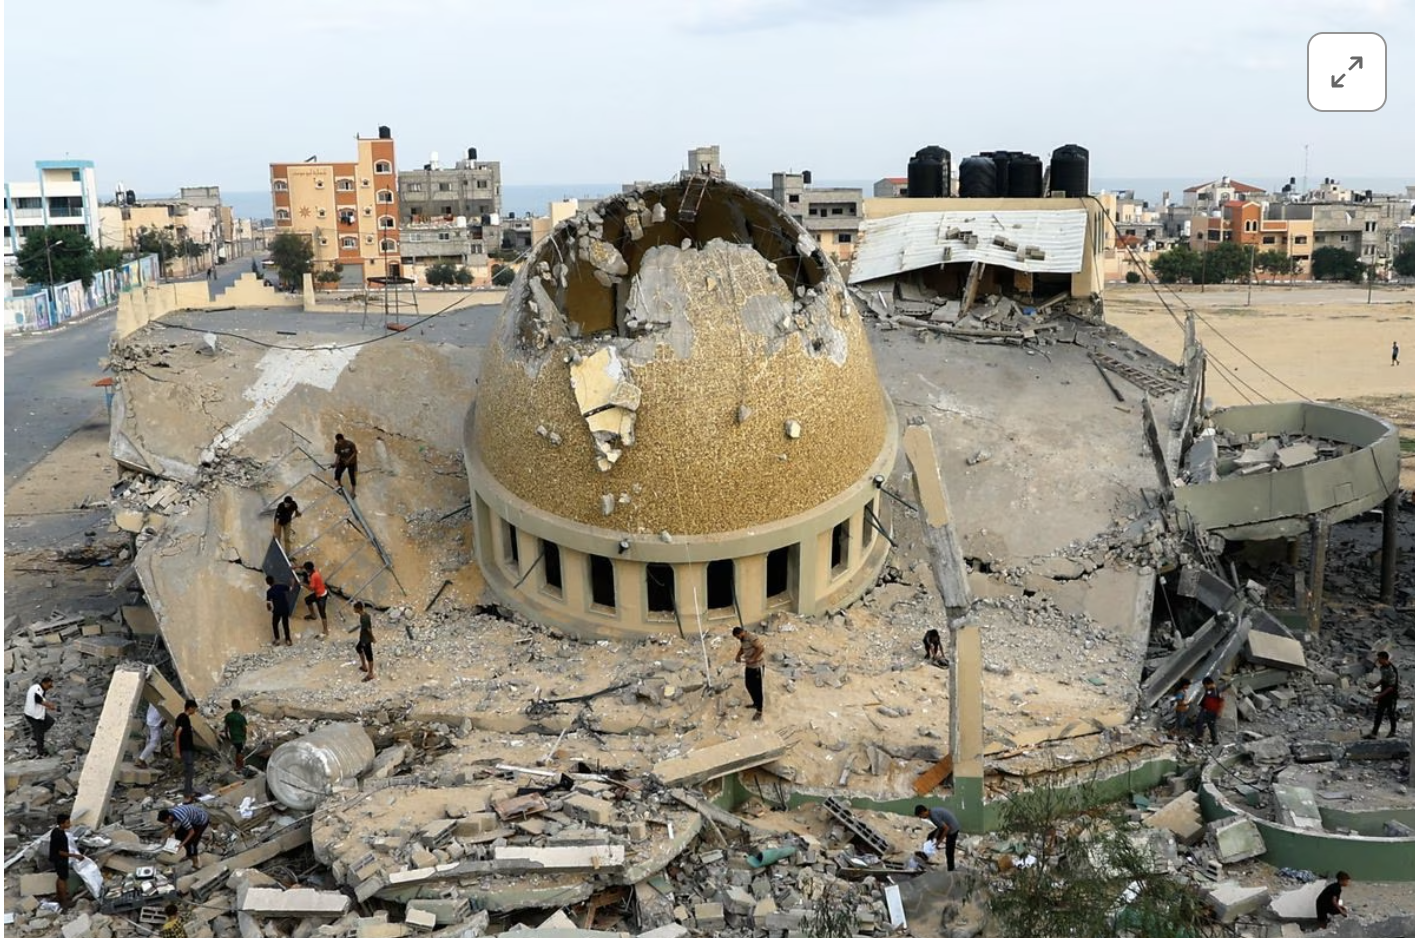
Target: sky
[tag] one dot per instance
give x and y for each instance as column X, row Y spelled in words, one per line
column 165, row 93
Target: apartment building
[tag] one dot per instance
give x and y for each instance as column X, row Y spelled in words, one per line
column 832, row 215
column 64, row 194
column 470, row 188
column 348, row 210
column 1248, row 224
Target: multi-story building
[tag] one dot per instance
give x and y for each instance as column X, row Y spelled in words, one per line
column 1243, row 223
column 65, row 195
column 831, row 215
column 1209, row 196
column 124, row 223
column 470, row 189
column 349, row 211
column 706, row 161
column 1368, row 228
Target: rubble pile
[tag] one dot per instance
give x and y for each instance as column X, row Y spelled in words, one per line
column 994, row 317
column 1220, row 454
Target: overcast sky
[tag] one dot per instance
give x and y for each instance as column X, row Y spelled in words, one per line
column 163, row 93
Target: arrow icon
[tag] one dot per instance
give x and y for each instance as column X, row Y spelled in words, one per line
column 1336, row 80
column 1358, row 62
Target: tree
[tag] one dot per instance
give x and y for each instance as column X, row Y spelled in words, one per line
column 502, row 275
column 463, row 277
column 440, row 275
column 1132, row 277
column 107, row 259
column 1223, row 262
column 1090, row 876
column 1274, row 262
column 1331, row 263
column 1404, row 261
column 293, row 255
column 1177, row 264
column 66, row 251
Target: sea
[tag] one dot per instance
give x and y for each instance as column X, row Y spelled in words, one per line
column 528, row 199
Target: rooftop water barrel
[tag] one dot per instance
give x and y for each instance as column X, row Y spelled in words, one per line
column 1071, row 170
column 1002, row 159
column 303, row 771
column 1024, row 177
column 929, row 171
column 384, row 133
column 977, row 178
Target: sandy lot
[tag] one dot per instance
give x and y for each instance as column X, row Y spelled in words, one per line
column 1326, row 343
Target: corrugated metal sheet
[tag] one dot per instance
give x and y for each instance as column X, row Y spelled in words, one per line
column 891, row 246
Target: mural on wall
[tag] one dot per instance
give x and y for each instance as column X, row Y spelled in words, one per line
column 46, row 308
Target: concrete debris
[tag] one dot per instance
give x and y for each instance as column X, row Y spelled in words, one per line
column 711, row 762
column 1236, row 839
column 1231, row 901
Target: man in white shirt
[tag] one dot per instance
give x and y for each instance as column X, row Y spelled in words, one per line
column 37, row 709
column 154, row 724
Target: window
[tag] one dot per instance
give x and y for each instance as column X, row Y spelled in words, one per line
column 368, row 239
column 837, row 211
column 344, row 185
column 481, row 184
column 323, row 240
column 444, row 236
column 659, row 578
column 510, row 550
column 550, row 561
column 778, row 574
column 385, row 196
column 319, row 183
column 1345, row 238
column 382, row 167
column 388, row 246
column 1300, row 239
column 367, row 211
column 1250, row 226
column 1370, row 226
column 347, row 217
column 414, row 187
column 844, row 237
column 476, row 249
column 280, row 185
column 601, row 581
column 447, row 210
column 867, row 527
column 282, row 214
column 839, row 548
column 320, row 212
column 1269, row 239
column 444, row 187
column 721, row 584
column 363, row 183
column 74, row 175
column 387, row 221
column 793, row 199
column 349, row 243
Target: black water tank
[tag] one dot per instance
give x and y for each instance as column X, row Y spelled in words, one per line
column 805, row 177
column 384, row 133
column 1024, row 178
column 1002, row 159
column 977, row 178
column 929, row 173
column 1071, row 170
column 471, row 153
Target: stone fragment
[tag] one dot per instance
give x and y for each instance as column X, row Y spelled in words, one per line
column 1181, row 817
column 1231, row 901
column 1236, row 839
column 1377, row 750
column 1297, row 905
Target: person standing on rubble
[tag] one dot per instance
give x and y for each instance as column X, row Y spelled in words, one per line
column 37, row 708
column 317, row 598
column 235, row 724
column 154, row 723
column 346, row 457
column 277, row 600
column 285, row 512
column 173, row 927
column 365, row 644
column 1386, row 695
column 184, row 746
column 1210, row 706
column 1180, row 701
column 61, row 850
column 752, row 655
column 945, row 832
column 187, row 822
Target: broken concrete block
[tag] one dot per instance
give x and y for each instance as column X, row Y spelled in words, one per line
column 590, row 809
column 1313, row 750
column 1377, row 750
column 1269, row 751
column 1181, row 817
column 1236, row 839
column 793, row 429
column 109, row 740
column 443, row 911
column 420, row 919
column 709, row 916
column 1297, row 905
column 1297, row 807
column 1276, row 651
column 79, row 927
column 559, row 858
column 1230, row 901
column 293, row 903
column 36, row 884
column 374, row 928
column 1298, row 454
column 711, row 762
column 666, row 931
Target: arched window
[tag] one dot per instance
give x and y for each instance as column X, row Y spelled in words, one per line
column 320, row 212
column 383, row 166
column 347, row 216
column 388, row 246
column 280, row 185
column 387, row 221
column 282, row 214
column 349, row 243
column 344, row 185
column 384, row 195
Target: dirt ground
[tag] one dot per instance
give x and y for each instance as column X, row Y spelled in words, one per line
column 1326, row 343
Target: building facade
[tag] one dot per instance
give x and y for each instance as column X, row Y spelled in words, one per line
column 1209, row 196
column 349, row 211
column 831, row 215
column 64, row 195
column 469, row 189
column 892, row 187
column 1245, row 223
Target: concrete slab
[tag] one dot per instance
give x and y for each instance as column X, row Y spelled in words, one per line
column 294, row 903
column 1297, row 807
column 562, row 859
column 1231, row 901
column 169, row 701
column 110, row 740
column 1297, row 905
column 1276, row 651
column 1181, row 817
column 711, row 762
column 1236, row 839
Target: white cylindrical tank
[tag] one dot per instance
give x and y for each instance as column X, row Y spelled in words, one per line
column 303, row 771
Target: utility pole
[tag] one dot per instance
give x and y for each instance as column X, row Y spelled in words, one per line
column 1252, row 253
column 1305, row 161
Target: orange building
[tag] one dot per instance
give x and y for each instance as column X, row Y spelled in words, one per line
column 349, row 211
column 1242, row 223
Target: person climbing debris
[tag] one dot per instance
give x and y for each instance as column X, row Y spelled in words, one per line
column 184, row 746
column 61, row 850
column 1329, row 900
column 277, row 602
column 318, row 597
column 235, row 725
column 37, row 710
column 1386, row 695
column 751, row 654
column 945, row 832
column 933, row 647
column 1180, row 714
column 187, row 822
column 154, row 724
column 346, row 459
column 1210, row 706
column 285, row 512
column 365, row 643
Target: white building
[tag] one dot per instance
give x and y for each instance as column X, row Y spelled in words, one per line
column 64, row 196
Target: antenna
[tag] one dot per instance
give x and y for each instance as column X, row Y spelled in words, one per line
column 1305, row 148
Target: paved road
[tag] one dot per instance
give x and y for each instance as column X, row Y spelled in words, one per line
column 49, row 390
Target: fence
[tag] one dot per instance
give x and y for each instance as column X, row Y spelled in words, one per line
column 51, row 307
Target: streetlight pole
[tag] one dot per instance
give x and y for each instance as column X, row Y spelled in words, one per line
column 49, row 247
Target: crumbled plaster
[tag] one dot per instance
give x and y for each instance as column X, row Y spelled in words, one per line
column 608, row 401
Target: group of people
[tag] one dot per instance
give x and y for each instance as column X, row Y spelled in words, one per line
column 1190, row 719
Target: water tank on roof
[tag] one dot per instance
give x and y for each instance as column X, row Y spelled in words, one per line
column 301, row 772
column 384, row 133
column 1071, row 170
column 1024, row 178
column 1002, row 160
column 977, row 178
column 471, row 153
column 805, row 177
column 930, row 173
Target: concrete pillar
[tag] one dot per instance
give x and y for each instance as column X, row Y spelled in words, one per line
column 1388, row 547
column 691, row 591
column 1294, row 555
column 574, row 579
column 808, row 573
column 751, row 587
column 630, row 594
column 1320, row 528
column 855, row 542
column 965, row 730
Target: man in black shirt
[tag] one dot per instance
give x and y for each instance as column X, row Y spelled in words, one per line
column 61, row 851
column 184, row 747
column 285, row 512
column 277, row 600
column 1386, row 695
column 346, row 459
column 1329, row 902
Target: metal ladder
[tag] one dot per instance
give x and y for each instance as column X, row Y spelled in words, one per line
column 693, row 194
column 1144, row 380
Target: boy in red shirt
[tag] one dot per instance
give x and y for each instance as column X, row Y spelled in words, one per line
column 317, row 598
column 1210, row 706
